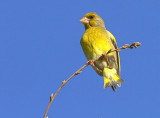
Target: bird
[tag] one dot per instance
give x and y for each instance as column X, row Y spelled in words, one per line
column 97, row 41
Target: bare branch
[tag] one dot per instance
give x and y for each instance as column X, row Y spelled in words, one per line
column 90, row 62
column 63, row 83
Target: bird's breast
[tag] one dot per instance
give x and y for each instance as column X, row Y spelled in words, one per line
column 95, row 42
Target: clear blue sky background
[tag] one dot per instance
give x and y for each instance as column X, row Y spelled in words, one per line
column 40, row 47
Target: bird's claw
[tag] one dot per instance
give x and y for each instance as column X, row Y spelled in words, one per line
column 91, row 62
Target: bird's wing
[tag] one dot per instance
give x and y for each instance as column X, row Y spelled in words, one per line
column 117, row 53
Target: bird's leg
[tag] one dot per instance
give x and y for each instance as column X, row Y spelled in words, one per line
column 91, row 62
column 105, row 55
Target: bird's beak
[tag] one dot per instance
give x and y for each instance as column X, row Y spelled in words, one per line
column 84, row 20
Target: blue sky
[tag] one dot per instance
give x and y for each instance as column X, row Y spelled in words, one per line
column 40, row 47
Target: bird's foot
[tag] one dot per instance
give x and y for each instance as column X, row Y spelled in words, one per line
column 105, row 56
column 91, row 62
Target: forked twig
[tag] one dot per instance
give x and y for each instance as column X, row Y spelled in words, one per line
column 88, row 63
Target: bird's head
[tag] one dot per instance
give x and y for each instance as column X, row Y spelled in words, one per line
column 92, row 20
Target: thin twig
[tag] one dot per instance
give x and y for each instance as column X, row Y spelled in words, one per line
column 63, row 83
column 88, row 63
column 136, row 44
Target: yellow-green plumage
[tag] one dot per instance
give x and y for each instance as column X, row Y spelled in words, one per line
column 95, row 41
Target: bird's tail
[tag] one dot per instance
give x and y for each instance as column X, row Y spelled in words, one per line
column 111, row 78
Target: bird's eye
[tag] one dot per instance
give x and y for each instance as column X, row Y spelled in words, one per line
column 91, row 17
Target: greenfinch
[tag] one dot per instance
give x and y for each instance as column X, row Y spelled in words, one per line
column 97, row 41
